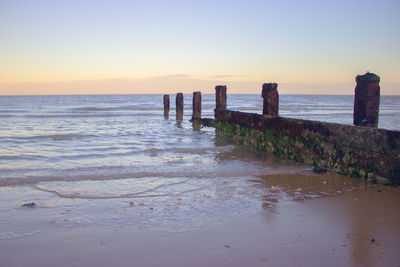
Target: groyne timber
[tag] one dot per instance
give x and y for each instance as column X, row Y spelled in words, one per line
column 360, row 150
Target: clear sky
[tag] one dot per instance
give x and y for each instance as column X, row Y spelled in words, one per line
column 98, row 46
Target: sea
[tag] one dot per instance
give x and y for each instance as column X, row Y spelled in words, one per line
column 115, row 160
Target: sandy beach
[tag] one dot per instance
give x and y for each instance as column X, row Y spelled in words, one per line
column 353, row 225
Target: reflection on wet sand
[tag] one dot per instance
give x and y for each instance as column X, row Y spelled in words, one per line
column 299, row 187
column 298, row 219
column 366, row 216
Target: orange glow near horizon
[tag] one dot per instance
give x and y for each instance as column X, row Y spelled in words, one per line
column 174, row 84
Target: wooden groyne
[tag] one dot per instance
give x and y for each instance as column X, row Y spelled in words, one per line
column 361, row 151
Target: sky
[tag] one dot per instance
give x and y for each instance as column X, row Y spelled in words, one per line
column 128, row 47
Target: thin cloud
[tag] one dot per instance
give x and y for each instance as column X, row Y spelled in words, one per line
column 225, row 76
column 174, row 76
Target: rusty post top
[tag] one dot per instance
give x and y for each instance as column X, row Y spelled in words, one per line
column 220, row 93
column 179, row 101
column 268, row 87
column 368, row 77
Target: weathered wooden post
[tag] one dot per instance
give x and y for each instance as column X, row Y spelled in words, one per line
column 366, row 100
column 270, row 99
column 179, row 106
column 220, row 99
column 166, row 106
column 196, row 106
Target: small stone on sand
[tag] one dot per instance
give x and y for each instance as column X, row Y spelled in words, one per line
column 29, row 205
column 318, row 169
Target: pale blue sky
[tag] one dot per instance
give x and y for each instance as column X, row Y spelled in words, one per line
column 145, row 44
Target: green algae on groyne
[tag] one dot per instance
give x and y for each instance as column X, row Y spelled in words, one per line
column 360, row 152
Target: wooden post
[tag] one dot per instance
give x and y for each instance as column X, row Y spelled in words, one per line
column 220, row 97
column 270, row 98
column 166, row 106
column 179, row 106
column 366, row 100
column 196, row 106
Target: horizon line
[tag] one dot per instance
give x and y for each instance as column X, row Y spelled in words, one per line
column 179, row 92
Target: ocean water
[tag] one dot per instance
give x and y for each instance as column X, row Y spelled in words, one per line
column 115, row 159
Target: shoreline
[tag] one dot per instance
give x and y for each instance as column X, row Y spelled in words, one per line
column 357, row 227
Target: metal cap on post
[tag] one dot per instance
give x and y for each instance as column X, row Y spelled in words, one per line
column 270, row 99
column 179, row 106
column 366, row 100
column 196, row 106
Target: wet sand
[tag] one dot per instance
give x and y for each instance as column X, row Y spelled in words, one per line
column 299, row 220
